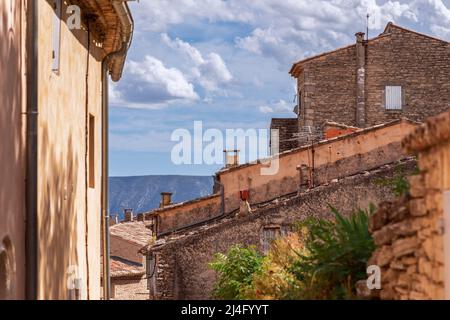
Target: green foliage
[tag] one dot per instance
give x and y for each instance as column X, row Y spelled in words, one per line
column 235, row 271
column 337, row 255
column 323, row 259
column 398, row 183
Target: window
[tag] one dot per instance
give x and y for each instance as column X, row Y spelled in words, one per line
column 91, row 151
column 393, row 98
column 273, row 232
column 56, row 35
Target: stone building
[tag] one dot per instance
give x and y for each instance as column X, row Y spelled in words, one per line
column 400, row 73
column 54, row 88
column 413, row 233
column 128, row 281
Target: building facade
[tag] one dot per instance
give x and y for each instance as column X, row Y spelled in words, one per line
column 57, row 58
column 412, row 233
column 400, row 73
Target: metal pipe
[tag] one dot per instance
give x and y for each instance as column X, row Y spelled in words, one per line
column 31, row 236
column 105, row 184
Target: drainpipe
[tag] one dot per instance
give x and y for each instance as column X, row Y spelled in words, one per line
column 31, row 237
column 127, row 23
column 105, row 184
column 360, row 81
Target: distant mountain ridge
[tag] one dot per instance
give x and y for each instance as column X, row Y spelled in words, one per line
column 142, row 193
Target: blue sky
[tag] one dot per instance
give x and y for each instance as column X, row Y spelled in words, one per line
column 226, row 63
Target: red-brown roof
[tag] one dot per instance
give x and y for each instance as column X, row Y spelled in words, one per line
column 121, row 268
column 135, row 232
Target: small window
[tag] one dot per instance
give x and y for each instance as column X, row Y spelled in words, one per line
column 56, row 35
column 394, row 99
column 91, row 151
column 270, row 234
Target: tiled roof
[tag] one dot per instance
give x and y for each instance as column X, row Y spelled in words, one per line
column 134, row 232
column 124, row 268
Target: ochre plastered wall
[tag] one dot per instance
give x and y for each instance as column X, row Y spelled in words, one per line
column 64, row 199
column 12, row 146
column 366, row 150
column 172, row 218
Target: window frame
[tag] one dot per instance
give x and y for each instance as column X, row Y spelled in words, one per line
column 402, row 97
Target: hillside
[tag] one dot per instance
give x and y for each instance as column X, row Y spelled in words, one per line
column 142, row 193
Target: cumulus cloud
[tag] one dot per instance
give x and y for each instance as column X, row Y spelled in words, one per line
column 292, row 29
column 279, row 106
column 149, row 83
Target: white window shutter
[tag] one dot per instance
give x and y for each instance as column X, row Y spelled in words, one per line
column 394, row 97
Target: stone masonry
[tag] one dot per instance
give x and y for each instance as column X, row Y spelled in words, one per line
column 182, row 259
column 348, row 85
column 410, row 232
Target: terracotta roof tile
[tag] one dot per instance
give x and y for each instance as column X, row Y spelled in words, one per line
column 134, row 232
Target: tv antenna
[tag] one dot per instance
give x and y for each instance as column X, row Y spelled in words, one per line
column 367, row 25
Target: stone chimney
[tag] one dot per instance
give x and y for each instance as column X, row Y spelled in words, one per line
column 113, row 219
column 360, row 80
column 166, row 199
column 128, row 215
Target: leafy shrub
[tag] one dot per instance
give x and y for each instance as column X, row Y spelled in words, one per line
column 275, row 281
column 235, row 271
column 337, row 255
column 399, row 183
column 323, row 259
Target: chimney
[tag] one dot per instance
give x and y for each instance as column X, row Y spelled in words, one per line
column 128, row 215
column 360, row 80
column 166, row 199
column 140, row 217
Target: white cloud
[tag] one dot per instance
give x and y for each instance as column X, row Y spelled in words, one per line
column 292, row 29
column 280, row 106
column 265, row 109
column 153, row 73
column 150, row 84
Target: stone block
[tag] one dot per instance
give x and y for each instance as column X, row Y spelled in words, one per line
column 402, row 247
column 417, row 207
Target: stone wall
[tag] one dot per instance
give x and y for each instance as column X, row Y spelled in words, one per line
column 287, row 128
column 182, row 260
column 411, row 232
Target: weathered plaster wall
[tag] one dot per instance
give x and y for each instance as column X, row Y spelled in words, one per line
column 12, row 154
column 182, row 271
column 68, row 210
column 333, row 159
